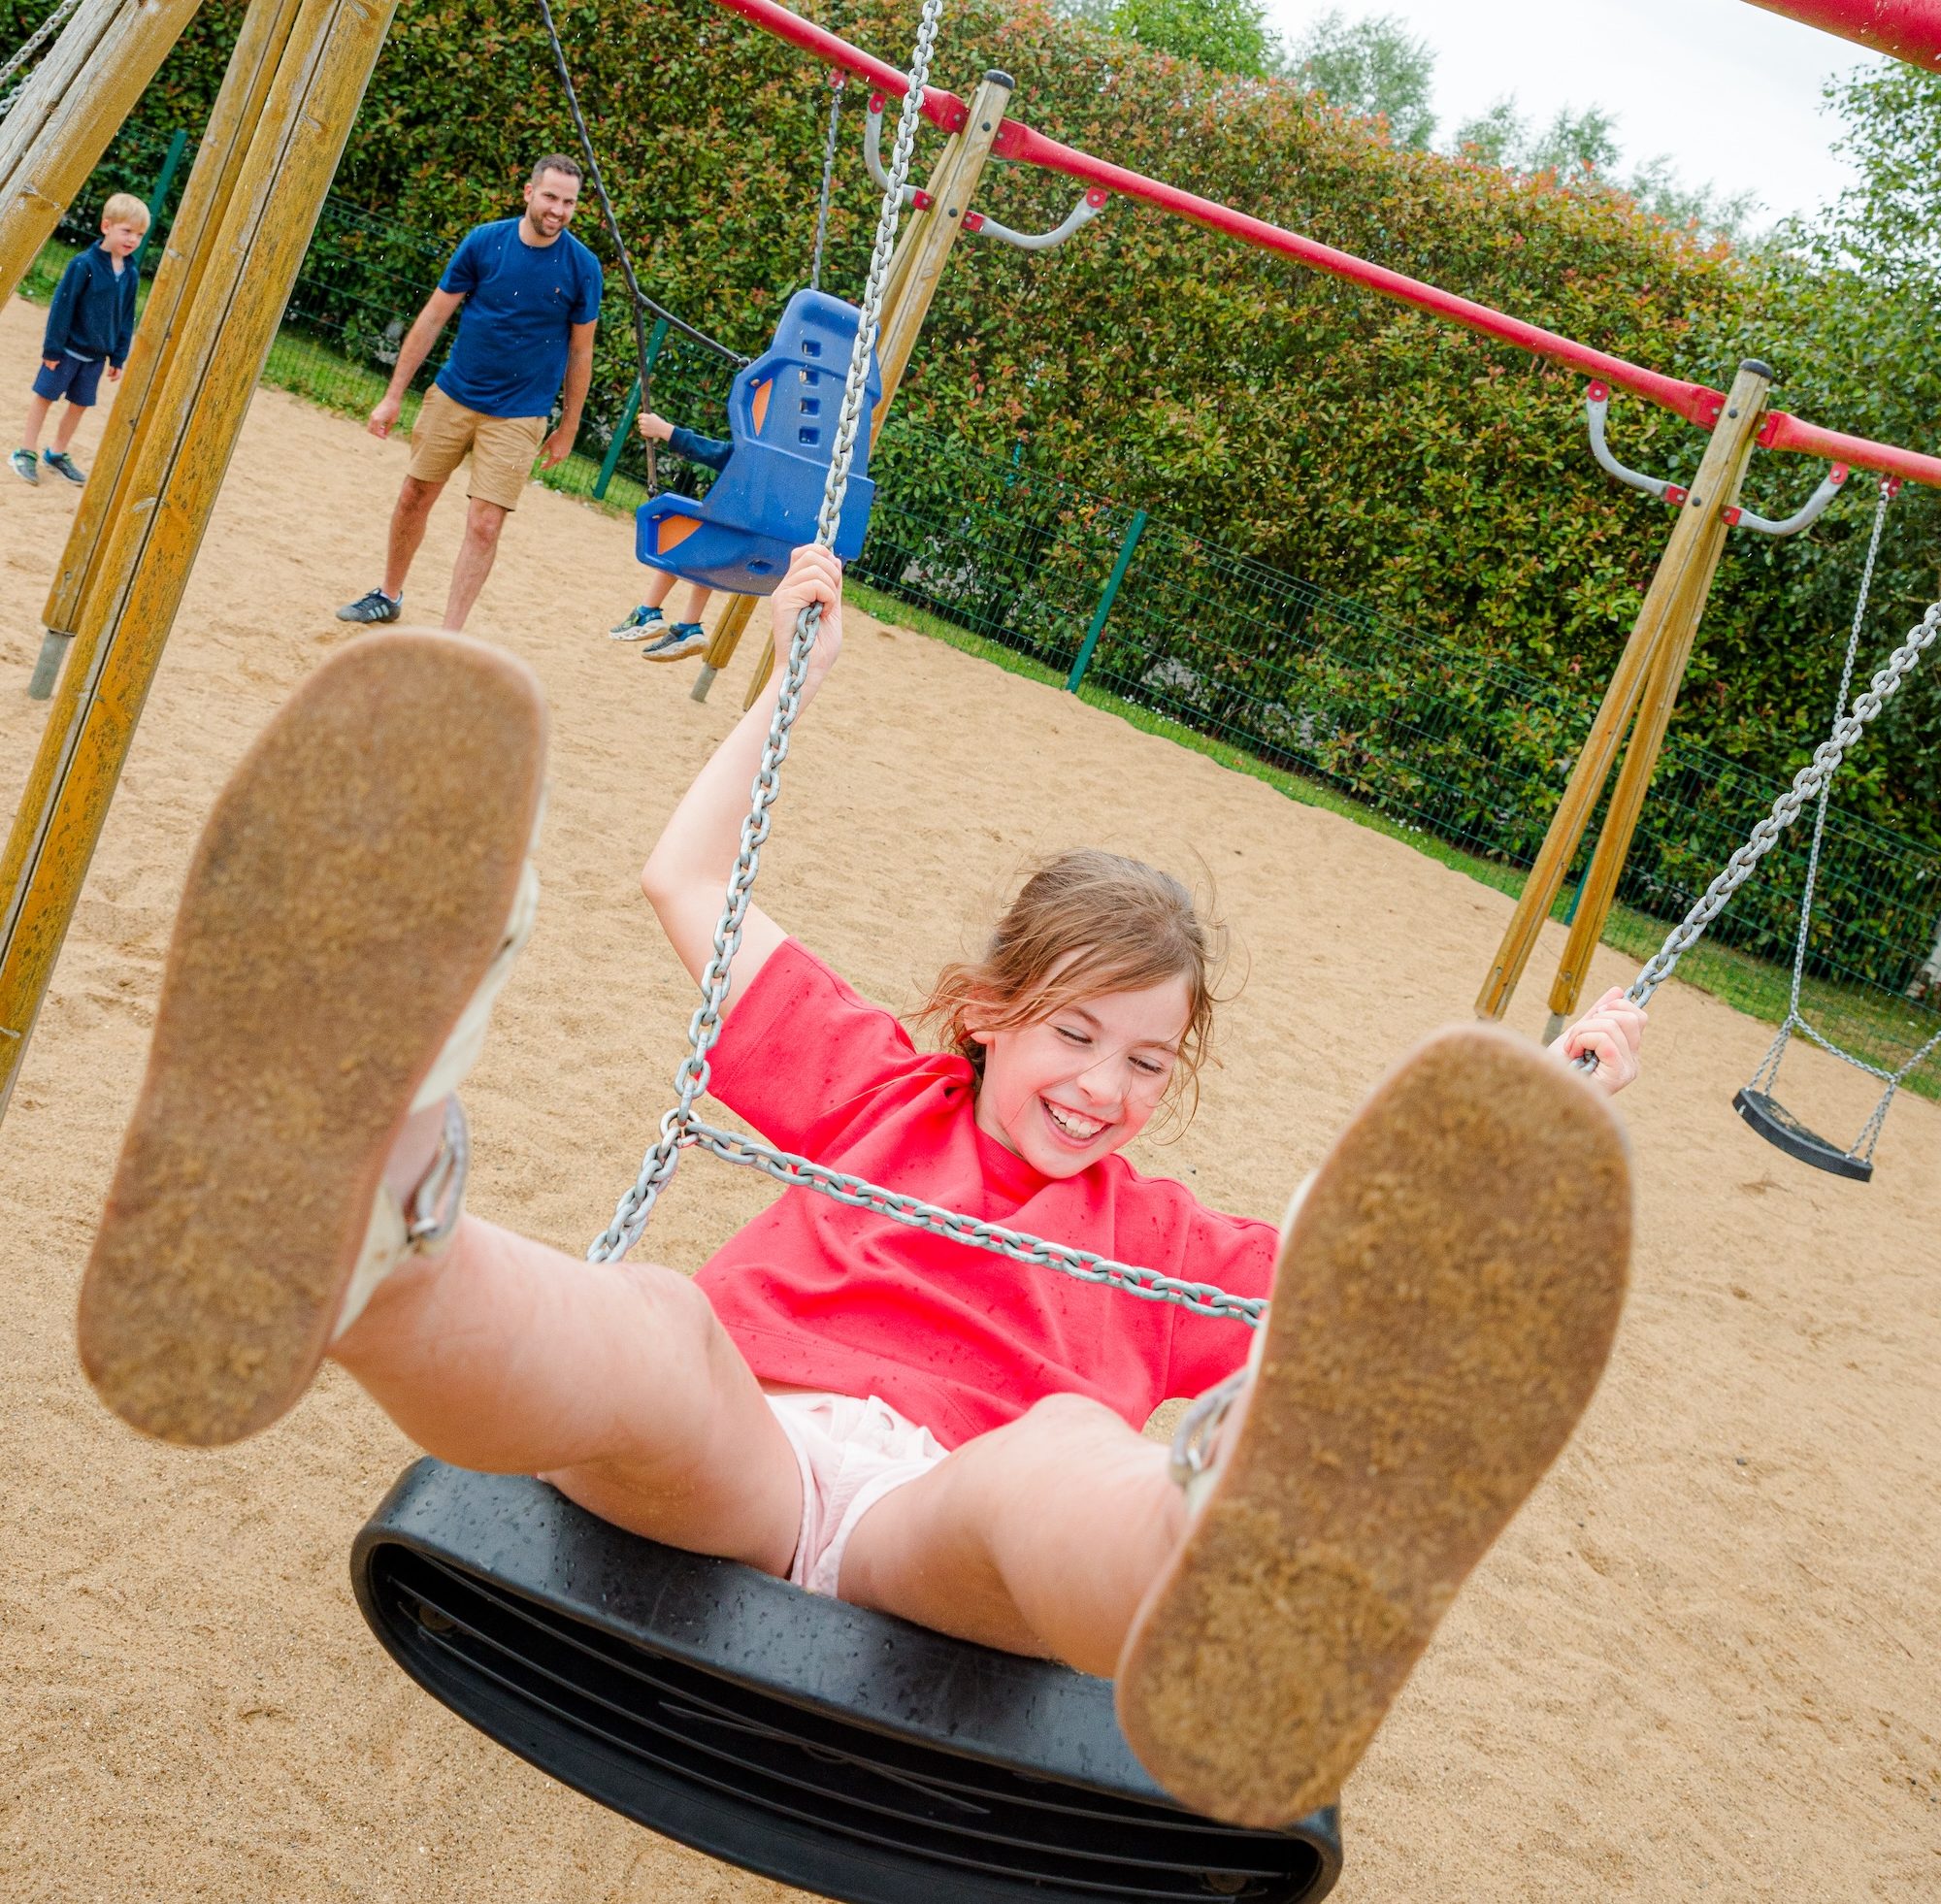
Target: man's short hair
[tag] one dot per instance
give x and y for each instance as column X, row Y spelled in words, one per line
column 558, row 162
column 125, row 208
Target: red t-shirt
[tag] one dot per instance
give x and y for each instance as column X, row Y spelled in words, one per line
column 825, row 1297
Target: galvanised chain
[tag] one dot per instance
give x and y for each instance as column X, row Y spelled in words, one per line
column 630, row 1218
column 26, row 51
column 800, row 1173
column 836, row 77
column 1806, row 783
column 1839, row 708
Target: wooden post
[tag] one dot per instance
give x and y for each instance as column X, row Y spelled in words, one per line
column 728, row 627
column 77, row 100
column 173, row 473
column 1689, row 553
column 212, row 183
column 1719, row 479
column 917, row 269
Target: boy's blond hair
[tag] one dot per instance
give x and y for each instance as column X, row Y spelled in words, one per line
column 124, row 209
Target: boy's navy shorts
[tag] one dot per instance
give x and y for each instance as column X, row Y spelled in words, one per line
column 73, row 378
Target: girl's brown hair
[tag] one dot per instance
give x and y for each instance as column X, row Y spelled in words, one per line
column 1083, row 924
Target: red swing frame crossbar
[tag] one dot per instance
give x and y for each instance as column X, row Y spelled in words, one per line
column 1696, row 402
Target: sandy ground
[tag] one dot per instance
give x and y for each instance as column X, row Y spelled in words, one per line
column 1701, row 1663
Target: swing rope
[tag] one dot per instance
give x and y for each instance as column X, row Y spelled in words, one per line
column 681, row 1128
column 836, row 79
column 25, row 50
column 642, row 305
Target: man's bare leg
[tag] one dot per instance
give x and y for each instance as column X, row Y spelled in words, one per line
column 476, row 555
column 410, row 518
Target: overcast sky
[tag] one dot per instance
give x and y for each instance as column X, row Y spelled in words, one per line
column 1731, row 91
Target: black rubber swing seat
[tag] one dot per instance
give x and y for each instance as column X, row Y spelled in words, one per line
column 1778, row 1126
column 837, row 1749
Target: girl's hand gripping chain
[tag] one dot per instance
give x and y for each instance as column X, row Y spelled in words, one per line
column 1611, row 1031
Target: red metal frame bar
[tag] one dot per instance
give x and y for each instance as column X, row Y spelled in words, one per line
column 1696, row 402
column 1908, row 29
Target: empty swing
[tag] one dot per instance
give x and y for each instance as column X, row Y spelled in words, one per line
column 1756, row 1102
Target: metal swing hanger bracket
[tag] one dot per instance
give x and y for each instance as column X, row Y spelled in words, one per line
column 1596, row 409
column 1076, row 220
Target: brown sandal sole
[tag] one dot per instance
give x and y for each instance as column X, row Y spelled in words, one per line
column 1445, row 1300
column 348, row 892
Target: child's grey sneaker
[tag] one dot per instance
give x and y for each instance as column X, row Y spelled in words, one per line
column 25, row 465
column 638, row 625
column 683, row 638
column 63, row 464
column 375, row 606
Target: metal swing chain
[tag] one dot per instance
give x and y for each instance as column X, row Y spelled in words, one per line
column 1807, row 782
column 836, row 79
column 642, row 303
column 25, row 50
column 676, row 1127
column 1768, row 1067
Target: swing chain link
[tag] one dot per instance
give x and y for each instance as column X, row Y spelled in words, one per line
column 1806, row 783
column 836, row 76
column 26, row 49
column 678, row 1128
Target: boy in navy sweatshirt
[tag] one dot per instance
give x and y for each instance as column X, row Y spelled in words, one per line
column 673, row 640
column 91, row 322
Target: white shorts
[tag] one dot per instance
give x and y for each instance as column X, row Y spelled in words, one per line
column 851, row 1454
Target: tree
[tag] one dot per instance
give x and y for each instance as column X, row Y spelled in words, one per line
column 1890, row 225
column 1226, row 36
column 1372, row 68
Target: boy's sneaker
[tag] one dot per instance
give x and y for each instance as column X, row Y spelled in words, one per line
column 63, row 464
column 683, row 638
column 333, row 964
column 640, row 624
column 1447, row 1293
column 374, row 606
column 25, row 465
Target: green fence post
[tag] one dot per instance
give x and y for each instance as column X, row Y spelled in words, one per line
column 1134, row 532
column 630, row 410
column 159, row 197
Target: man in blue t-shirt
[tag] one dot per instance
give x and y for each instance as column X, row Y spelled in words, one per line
column 527, row 293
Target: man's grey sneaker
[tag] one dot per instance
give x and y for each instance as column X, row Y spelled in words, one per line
column 683, row 638
column 63, row 464
column 25, row 466
column 639, row 625
column 376, row 606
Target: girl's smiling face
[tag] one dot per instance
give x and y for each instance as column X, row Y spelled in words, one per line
column 1083, row 1082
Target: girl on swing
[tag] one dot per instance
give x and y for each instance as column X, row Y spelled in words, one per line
column 870, row 1411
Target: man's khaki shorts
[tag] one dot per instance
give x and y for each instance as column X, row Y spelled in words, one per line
column 503, row 447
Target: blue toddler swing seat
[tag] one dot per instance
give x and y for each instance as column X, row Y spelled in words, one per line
column 762, row 507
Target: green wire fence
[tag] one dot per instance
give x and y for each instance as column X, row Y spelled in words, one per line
column 1464, row 754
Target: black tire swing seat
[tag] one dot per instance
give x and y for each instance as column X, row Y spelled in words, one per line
column 842, row 1751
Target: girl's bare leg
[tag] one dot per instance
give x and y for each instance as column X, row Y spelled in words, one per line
column 613, row 1381
column 1448, row 1289
column 1041, row 1537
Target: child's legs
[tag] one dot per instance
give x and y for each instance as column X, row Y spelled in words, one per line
column 37, row 416
column 660, row 588
column 1040, row 1537
column 70, row 422
column 697, row 603
column 614, row 1381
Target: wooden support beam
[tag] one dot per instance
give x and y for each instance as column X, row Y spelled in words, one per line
column 79, row 97
column 1745, row 409
column 1690, row 552
column 173, row 473
column 211, row 184
column 721, row 644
